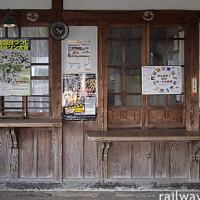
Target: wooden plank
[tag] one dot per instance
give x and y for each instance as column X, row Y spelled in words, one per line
column 90, row 168
column 161, row 160
column 57, row 153
column 142, row 160
column 73, row 149
column 45, row 154
column 4, row 154
column 27, row 154
column 144, row 135
column 179, row 160
column 30, row 123
column 119, row 160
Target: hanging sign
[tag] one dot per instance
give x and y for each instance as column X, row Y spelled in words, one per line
column 194, row 85
column 15, row 66
column 161, row 80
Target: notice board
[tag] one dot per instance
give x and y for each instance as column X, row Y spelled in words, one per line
column 79, row 73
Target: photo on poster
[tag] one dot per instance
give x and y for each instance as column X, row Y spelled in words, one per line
column 15, row 66
column 79, row 95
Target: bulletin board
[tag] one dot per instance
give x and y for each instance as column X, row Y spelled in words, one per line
column 79, row 73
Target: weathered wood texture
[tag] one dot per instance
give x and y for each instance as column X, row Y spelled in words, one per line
column 37, row 155
column 146, row 160
column 79, row 154
column 5, row 155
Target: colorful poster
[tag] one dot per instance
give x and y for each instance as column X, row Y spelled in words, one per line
column 79, row 95
column 161, row 80
column 78, row 56
column 15, row 66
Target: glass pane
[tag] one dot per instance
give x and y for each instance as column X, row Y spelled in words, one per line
column 115, row 32
column 13, row 102
column 176, row 52
column 176, row 32
column 156, row 100
column 2, row 32
column 114, row 80
column 114, row 53
column 133, row 52
column 39, row 70
column 40, row 51
column 157, row 33
column 157, row 52
column 38, row 104
column 40, row 87
column 133, row 81
column 134, row 33
column 133, row 100
column 114, row 100
column 13, row 32
column 34, row 32
column 175, row 99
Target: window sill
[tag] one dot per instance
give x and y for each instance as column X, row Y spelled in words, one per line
column 4, row 123
column 144, row 135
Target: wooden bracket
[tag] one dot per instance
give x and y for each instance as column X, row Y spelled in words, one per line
column 104, row 146
column 12, row 138
column 196, row 151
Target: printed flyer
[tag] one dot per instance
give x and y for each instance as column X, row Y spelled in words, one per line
column 78, row 56
column 79, row 95
column 15, row 67
column 161, row 80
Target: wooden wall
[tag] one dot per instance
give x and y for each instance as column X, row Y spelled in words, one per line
column 64, row 154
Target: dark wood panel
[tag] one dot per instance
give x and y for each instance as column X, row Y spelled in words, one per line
column 124, row 117
column 119, row 160
column 142, row 160
column 179, row 160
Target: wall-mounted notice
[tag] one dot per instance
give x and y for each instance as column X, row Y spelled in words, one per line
column 78, row 56
column 15, row 66
column 161, row 80
column 79, row 96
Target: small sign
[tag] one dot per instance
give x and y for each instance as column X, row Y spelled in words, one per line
column 194, row 85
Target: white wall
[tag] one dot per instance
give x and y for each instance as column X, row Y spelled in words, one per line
column 105, row 4
column 25, row 4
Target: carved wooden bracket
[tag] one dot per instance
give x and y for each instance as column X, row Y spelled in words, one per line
column 11, row 132
column 196, row 151
column 103, row 153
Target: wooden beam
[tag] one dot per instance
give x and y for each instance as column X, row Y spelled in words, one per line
column 57, row 4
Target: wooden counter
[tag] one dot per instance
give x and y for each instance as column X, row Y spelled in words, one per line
column 30, row 123
column 144, row 135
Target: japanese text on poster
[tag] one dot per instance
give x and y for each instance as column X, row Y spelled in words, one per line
column 161, row 80
column 15, row 66
column 78, row 56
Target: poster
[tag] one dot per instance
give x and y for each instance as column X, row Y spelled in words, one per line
column 161, row 80
column 78, row 56
column 79, row 96
column 15, row 66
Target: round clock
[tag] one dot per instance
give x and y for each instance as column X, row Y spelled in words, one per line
column 59, row 30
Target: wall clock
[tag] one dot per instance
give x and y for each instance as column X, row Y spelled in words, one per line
column 59, row 30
